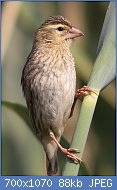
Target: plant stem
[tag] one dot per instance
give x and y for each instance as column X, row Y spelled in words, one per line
column 81, row 132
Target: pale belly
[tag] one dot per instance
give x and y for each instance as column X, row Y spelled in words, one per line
column 55, row 98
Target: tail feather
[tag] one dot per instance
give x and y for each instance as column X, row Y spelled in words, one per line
column 52, row 167
column 51, row 154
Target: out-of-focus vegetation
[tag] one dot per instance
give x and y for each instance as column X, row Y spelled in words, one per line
column 20, row 148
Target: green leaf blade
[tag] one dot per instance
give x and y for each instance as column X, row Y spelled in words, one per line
column 104, row 70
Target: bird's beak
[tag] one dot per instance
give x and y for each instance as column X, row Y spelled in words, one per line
column 73, row 33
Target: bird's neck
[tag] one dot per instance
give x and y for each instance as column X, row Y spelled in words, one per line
column 59, row 48
column 56, row 54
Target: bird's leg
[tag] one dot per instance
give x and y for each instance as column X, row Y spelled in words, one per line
column 67, row 152
column 80, row 94
column 73, row 106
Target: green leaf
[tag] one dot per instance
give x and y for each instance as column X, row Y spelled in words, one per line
column 20, row 110
column 104, row 70
column 19, row 149
column 102, row 74
column 83, row 170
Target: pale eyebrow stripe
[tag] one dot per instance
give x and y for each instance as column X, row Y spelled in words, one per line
column 56, row 26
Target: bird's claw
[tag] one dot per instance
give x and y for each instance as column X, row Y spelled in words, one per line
column 72, row 156
column 73, row 150
column 84, row 91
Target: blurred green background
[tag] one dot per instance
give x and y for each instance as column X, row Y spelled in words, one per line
column 20, row 152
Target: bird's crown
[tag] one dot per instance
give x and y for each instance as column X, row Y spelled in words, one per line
column 56, row 19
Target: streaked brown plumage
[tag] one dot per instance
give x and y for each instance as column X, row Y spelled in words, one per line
column 49, row 83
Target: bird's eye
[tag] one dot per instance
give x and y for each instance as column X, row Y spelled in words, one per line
column 60, row 28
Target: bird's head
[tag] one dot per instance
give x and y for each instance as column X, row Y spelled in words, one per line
column 57, row 30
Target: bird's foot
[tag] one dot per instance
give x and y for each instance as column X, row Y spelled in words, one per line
column 67, row 152
column 80, row 94
column 84, row 91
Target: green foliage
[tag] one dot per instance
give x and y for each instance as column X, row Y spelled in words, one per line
column 104, row 70
column 20, row 110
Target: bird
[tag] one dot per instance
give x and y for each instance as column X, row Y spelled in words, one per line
column 49, row 85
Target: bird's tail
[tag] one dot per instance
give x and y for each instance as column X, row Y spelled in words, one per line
column 51, row 154
column 52, row 166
